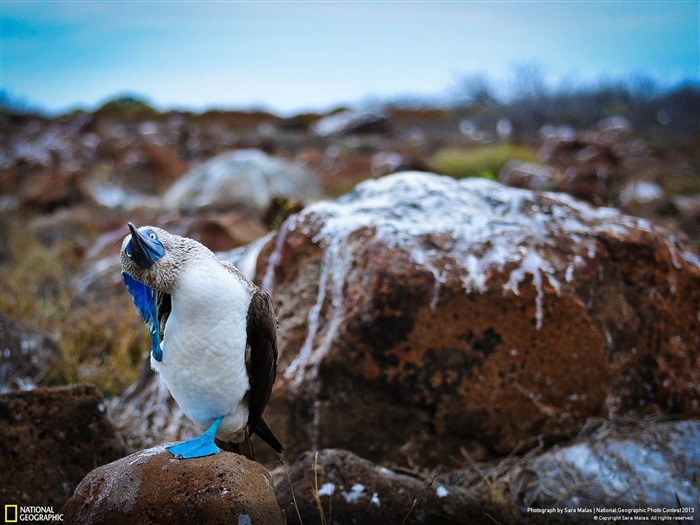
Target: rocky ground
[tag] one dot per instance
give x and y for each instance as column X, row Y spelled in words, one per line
column 471, row 350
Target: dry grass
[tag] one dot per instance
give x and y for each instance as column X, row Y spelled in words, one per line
column 422, row 496
column 284, row 464
column 101, row 340
column 317, row 496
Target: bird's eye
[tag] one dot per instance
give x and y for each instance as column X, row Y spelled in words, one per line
column 152, row 235
column 128, row 253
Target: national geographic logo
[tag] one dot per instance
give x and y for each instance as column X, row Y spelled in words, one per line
column 31, row 514
column 11, row 513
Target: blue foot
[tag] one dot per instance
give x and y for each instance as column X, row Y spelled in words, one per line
column 197, row 447
column 194, row 448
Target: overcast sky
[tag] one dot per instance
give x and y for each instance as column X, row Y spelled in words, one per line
column 292, row 56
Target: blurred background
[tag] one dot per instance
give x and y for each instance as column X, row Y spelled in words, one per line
column 217, row 120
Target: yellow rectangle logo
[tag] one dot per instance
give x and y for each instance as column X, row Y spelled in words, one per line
column 9, row 511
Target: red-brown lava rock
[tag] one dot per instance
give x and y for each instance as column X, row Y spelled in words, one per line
column 49, row 439
column 152, row 487
column 421, row 316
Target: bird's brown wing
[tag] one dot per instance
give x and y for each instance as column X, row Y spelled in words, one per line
column 261, row 358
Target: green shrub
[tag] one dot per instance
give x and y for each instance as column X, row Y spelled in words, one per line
column 482, row 161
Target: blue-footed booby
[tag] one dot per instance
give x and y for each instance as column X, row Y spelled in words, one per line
column 213, row 336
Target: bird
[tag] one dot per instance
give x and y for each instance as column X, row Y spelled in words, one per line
column 213, row 337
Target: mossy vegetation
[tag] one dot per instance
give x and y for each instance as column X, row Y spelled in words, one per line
column 481, row 161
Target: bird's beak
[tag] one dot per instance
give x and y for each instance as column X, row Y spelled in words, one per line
column 144, row 250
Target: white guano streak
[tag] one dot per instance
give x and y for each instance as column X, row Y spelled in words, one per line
column 486, row 227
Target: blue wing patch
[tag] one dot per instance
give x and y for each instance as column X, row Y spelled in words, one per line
column 145, row 300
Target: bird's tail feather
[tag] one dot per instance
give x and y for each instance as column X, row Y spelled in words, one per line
column 263, row 430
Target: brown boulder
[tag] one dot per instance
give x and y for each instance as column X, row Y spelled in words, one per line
column 350, row 489
column 49, row 439
column 151, row 486
column 50, row 190
column 147, row 168
column 225, row 231
column 420, row 316
column 165, row 166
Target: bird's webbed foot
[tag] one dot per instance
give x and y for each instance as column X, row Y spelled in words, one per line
column 197, row 447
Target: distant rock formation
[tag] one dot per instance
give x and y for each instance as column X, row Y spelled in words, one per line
column 350, row 122
column 151, row 486
column 420, row 316
column 247, row 179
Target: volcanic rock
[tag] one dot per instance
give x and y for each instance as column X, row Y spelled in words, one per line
column 164, row 164
column 644, row 465
column 151, row 486
column 351, row 122
column 597, row 165
column 526, row 175
column 247, row 179
column 655, row 465
column 224, row 231
column 353, row 490
column 49, row 190
column 26, row 356
column 688, row 207
column 50, row 438
column 146, row 168
column 420, row 316
column 643, row 198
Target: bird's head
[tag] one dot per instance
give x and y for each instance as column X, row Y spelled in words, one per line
column 147, row 255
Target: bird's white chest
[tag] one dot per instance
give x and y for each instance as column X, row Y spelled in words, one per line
column 204, row 345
